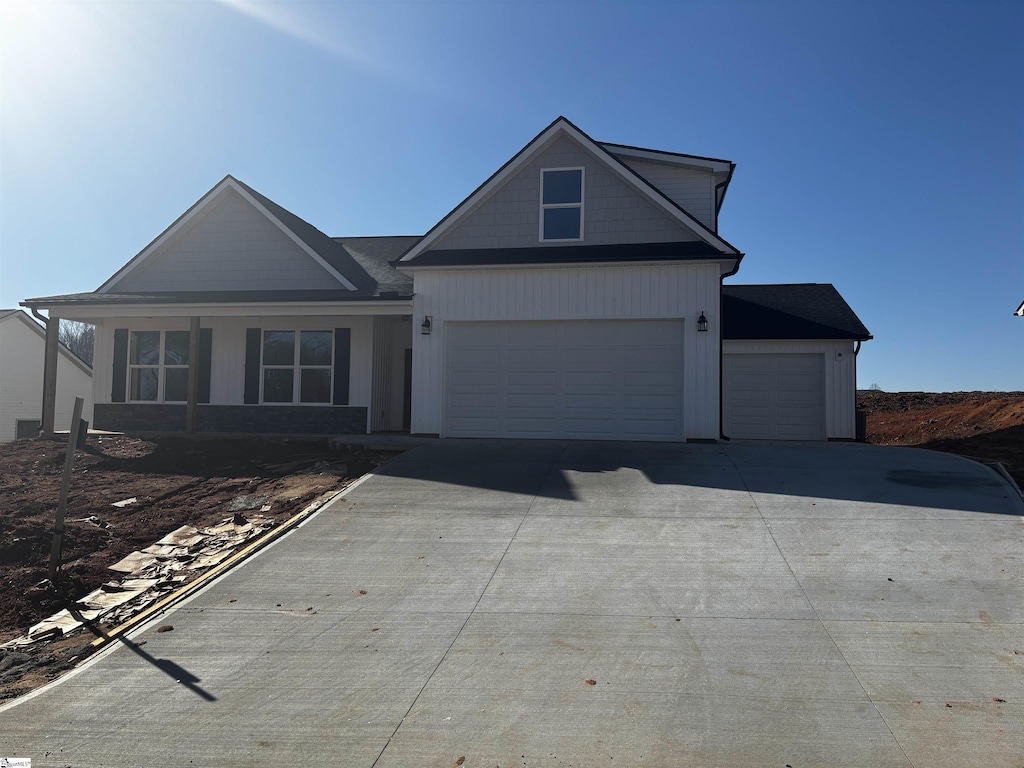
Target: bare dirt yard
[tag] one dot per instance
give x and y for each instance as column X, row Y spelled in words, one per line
column 982, row 425
column 175, row 482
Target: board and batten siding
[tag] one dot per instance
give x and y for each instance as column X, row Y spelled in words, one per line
column 613, row 210
column 678, row 291
column 231, row 247
column 692, row 189
column 227, row 370
column 840, row 376
column 22, row 350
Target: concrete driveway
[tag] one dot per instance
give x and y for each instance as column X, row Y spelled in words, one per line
column 510, row 603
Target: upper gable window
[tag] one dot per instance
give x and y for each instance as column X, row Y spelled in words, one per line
column 561, row 204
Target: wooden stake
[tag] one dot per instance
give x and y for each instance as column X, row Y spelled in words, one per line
column 65, row 485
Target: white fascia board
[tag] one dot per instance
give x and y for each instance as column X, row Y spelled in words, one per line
column 195, row 211
column 667, row 158
column 91, row 314
column 599, row 152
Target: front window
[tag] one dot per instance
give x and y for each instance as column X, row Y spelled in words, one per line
column 561, row 203
column 297, row 366
column 158, row 366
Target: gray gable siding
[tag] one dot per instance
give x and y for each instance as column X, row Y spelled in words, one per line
column 231, row 247
column 692, row 189
column 614, row 212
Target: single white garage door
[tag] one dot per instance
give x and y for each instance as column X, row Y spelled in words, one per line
column 601, row 379
column 774, row 397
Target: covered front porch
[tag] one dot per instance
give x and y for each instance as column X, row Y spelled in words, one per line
column 276, row 368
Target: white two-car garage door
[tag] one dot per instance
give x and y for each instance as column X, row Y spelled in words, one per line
column 774, row 397
column 600, row 379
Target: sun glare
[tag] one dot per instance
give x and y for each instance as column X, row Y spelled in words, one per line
column 294, row 20
column 50, row 54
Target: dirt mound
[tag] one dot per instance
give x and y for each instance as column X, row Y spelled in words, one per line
column 986, row 425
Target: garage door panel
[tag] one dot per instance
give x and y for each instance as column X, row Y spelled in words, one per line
column 585, row 379
column 525, row 335
column 774, row 396
column 536, row 358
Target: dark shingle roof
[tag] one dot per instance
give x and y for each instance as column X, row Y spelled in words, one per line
column 375, row 254
column 793, row 311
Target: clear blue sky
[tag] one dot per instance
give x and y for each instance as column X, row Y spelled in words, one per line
column 880, row 145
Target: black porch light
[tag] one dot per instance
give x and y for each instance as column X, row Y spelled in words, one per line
column 702, row 323
column 425, row 328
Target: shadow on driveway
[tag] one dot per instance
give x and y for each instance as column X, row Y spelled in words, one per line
column 776, row 473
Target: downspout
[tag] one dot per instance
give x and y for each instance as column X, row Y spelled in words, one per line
column 721, row 346
column 46, row 324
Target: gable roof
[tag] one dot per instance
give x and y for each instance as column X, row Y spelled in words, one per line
column 370, row 258
column 562, row 126
column 318, row 246
column 788, row 311
column 63, row 348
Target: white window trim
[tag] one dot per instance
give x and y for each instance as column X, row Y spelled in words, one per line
column 160, row 365
column 296, row 367
column 580, row 204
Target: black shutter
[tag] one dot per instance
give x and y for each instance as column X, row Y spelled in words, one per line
column 120, row 375
column 253, row 347
column 342, row 364
column 205, row 364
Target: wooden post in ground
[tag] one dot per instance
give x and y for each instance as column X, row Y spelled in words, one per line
column 65, row 485
column 193, row 376
column 50, row 375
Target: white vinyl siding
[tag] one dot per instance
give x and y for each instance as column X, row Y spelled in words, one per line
column 22, row 349
column 839, row 371
column 600, row 292
column 583, row 379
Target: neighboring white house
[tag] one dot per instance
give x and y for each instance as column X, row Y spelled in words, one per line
column 577, row 293
column 22, row 349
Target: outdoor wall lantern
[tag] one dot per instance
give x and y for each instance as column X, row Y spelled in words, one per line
column 702, row 323
column 427, row 323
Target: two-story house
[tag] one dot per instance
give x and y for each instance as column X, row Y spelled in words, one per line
column 577, row 293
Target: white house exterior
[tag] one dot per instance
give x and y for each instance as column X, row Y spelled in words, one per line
column 577, row 293
column 22, row 352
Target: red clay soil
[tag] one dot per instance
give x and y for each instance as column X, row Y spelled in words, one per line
column 176, row 482
column 984, row 425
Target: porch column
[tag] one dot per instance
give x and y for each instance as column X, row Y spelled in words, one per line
column 193, row 375
column 50, row 374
